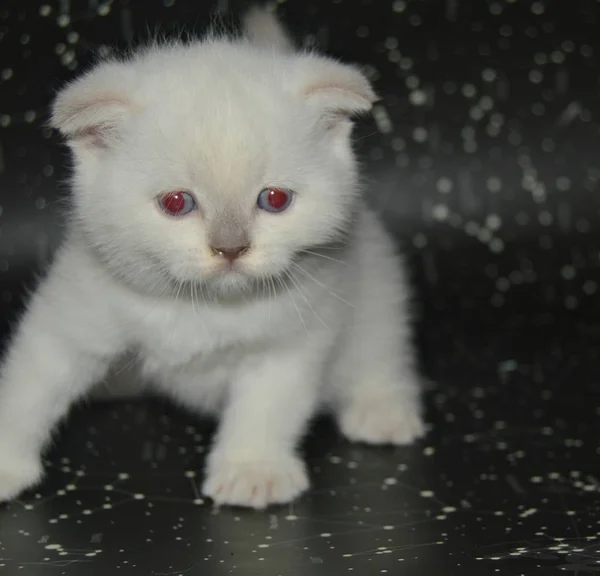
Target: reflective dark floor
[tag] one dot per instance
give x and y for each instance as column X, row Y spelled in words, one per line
column 483, row 155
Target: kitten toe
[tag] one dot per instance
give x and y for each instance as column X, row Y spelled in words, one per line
column 17, row 475
column 382, row 421
column 256, row 483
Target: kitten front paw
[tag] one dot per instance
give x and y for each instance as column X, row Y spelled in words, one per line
column 255, row 483
column 17, row 475
column 382, row 421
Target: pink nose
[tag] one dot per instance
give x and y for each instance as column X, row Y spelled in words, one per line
column 230, row 254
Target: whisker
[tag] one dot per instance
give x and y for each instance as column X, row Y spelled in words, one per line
column 279, row 279
column 323, row 256
column 319, row 283
column 296, row 283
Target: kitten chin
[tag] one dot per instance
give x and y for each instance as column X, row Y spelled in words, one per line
column 187, row 155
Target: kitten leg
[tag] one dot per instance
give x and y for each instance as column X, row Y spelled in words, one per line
column 377, row 390
column 47, row 366
column 254, row 462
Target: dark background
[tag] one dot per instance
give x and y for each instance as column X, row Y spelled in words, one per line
column 483, row 156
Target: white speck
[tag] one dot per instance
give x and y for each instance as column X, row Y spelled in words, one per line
column 502, row 284
column 495, row 9
column 139, row 496
column 67, row 58
column 420, row 134
column 391, row 43
column 484, row 235
column 538, row 8
column 103, row 9
column 528, row 512
column 63, row 20
column 470, row 146
column 109, row 487
column 390, row 481
column 291, row 517
column 427, row 493
column 440, row 212
column 382, row 119
column 589, row 287
column 399, row 6
column 496, row 245
column 568, row 272
column 45, row 10
column 87, row 512
column 429, row 451
column 535, row 76
column 494, row 184
column 7, row 73
column 469, row 90
column 563, row 183
column 444, row 185
column 545, row 218
column 417, row 97
column 388, row 527
column 486, row 103
column 362, row 31
column 420, row 240
column 449, row 509
column 190, row 474
column 493, row 222
column 325, row 534
column 198, row 501
column 472, row 228
column 489, row 75
column 536, row 480
column 476, row 113
column 570, row 113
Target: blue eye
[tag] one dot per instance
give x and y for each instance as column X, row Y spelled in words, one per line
column 177, row 203
column 274, row 199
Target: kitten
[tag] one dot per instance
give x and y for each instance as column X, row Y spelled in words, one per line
column 218, row 235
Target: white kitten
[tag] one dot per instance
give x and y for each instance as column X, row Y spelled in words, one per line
column 218, row 236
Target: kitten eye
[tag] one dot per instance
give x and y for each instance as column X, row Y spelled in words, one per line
column 177, row 203
column 274, row 199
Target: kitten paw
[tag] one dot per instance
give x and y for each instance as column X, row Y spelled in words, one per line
column 17, row 475
column 255, row 483
column 382, row 422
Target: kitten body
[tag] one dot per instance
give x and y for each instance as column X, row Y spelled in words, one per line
column 313, row 315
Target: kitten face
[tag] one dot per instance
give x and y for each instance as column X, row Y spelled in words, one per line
column 222, row 134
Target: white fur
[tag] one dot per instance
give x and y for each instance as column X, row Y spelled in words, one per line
column 313, row 316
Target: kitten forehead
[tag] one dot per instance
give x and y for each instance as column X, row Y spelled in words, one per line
column 221, row 128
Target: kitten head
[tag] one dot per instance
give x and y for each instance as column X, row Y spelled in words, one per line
column 216, row 162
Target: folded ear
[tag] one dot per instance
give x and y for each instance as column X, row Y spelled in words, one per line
column 338, row 90
column 91, row 109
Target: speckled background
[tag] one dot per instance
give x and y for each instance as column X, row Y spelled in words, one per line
column 483, row 155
